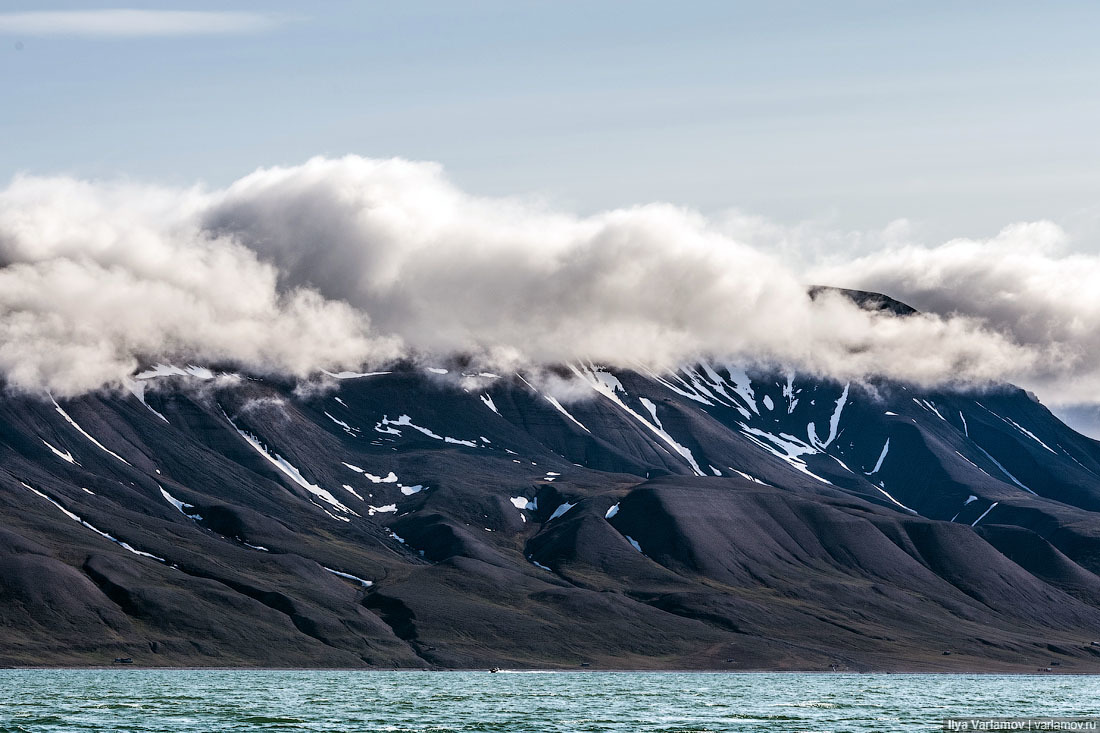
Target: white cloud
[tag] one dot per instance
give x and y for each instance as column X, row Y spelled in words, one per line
column 336, row 264
column 1024, row 282
column 95, row 279
column 134, row 23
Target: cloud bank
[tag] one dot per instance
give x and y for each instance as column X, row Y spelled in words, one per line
column 350, row 263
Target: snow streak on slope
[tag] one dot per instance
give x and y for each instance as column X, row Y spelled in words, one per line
column 834, row 422
column 291, row 472
column 63, row 455
column 562, row 509
column 1004, row 470
column 137, row 389
column 349, row 576
column 742, row 385
column 607, row 385
column 351, row 375
column 406, row 421
column 83, row 432
column 1021, row 428
column 558, row 406
column 987, row 511
column 179, row 505
column 881, row 458
column 353, row 432
column 684, row 389
column 891, row 498
column 99, row 532
column 784, row 446
column 168, row 370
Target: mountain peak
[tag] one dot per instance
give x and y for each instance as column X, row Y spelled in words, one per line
column 866, row 299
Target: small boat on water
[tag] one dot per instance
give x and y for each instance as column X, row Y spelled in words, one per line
column 494, row 670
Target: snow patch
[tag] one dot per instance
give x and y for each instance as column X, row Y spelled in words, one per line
column 789, row 393
column 179, row 505
column 352, row 375
column 161, row 370
column 349, row 576
column 562, row 509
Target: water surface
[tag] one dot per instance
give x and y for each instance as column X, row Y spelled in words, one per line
column 135, row 700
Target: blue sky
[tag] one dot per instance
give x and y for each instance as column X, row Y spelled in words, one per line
column 962, row 117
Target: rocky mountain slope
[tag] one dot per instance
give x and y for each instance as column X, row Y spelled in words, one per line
column 434, row 517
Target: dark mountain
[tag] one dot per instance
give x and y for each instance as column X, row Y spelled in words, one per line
column 707, row 518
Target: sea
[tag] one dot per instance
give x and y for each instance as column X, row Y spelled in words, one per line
column 137, row 700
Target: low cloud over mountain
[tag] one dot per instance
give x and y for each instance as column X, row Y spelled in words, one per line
column 352, row 262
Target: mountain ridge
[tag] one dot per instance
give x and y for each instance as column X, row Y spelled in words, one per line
column 709, row 517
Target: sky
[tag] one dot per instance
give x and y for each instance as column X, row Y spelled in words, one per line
column 895, row 145
column 959, row 117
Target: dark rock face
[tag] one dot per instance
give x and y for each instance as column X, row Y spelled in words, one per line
column 706, row 518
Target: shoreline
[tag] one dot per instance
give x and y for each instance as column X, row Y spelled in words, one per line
column 850, row 673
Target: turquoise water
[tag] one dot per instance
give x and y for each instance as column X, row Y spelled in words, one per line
column 549, row 702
